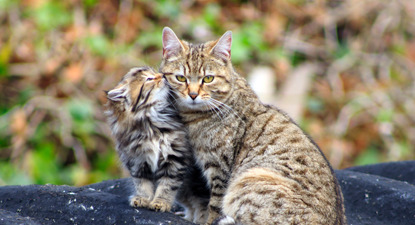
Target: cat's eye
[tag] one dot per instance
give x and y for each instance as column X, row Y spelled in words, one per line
column 150, row 78
column 208, row 79
column 181, row 78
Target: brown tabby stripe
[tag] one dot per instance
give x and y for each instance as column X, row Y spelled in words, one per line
column 214, row 208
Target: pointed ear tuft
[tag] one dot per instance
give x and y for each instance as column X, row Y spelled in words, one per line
column 116, row 95
column 171, row 44
column 222, row 49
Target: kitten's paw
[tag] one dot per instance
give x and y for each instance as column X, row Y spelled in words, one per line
column 138, row 201
column 160, row 205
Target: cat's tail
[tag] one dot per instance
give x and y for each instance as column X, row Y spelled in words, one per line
column 225, row 220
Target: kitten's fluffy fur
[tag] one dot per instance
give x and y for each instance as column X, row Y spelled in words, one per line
column 261, row 167
column 152, row 144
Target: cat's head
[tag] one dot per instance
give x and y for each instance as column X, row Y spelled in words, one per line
column 200, row 75
column 140, row 87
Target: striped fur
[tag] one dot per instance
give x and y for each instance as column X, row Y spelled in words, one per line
column 261, row 167
column 152, row 144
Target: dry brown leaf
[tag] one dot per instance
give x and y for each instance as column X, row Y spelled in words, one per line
column 73, row 73
column 18, row 124
column 52, row 65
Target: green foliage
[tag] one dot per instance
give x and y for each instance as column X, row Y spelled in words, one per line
column 151, row 38
column 6, row 4
column 167, row 8
column 81, row 112
column 385, row 115
column 90, row 3
column 247, row 41
column 51, row 14
column 98, row 44
column 5, row 54
column 210, row 15
column 315, row 105
column 43, row 164
column 369, row 156
column 341, row 51
column 9, row 174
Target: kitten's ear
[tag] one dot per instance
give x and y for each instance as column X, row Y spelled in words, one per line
column 171, row 44
column 222, row 48
column 116, row 95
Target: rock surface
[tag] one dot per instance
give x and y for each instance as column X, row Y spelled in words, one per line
column 101, row 203
column 379, row 194
column 376, row 194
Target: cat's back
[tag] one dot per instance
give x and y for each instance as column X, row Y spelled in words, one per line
column 282, row 173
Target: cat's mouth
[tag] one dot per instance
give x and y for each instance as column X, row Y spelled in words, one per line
column 196, row 105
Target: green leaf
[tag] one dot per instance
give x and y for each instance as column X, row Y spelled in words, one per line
column 10, row 175
column 210, row 14
column 5, row 54
column 44, row 165
column 315, row 105
column 90, row 3
column 167, row 8
column 370, row 156
column 80, row 109
column 106, row 161
column 385, row 115
column 150, row 38
column 51, row 15
column 98, row 44
column 6, row 4
column 341, row 51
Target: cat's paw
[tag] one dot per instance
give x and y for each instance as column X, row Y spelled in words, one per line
column 160, row 205
column 200, row 218
column 224, row 220
column 138, row 201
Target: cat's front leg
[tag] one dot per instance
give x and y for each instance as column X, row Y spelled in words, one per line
column 144, row 191
column 218, row 181
column 169, row 179
column 165, row 194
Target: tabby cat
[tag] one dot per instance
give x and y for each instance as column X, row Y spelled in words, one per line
column 261, row 167
column 152, row 144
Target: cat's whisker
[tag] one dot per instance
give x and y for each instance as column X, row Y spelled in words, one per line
column 216, row 108
column 229, row 109
column 173, row 100
column 213, row 109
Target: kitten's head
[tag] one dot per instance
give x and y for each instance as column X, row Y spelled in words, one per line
column 139, row 88
column 200, row 75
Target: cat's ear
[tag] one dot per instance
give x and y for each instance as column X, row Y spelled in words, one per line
column 171, row 44
column 116, row 95
column 222, row 48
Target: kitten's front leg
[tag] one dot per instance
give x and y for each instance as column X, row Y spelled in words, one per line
column 218, row 181
column 165, row 194
column 169, row 179
column 144, row 191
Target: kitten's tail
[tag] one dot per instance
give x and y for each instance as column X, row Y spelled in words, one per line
column 225, row 220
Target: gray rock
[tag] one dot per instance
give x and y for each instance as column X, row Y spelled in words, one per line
column 377, row 194
column 101, row 203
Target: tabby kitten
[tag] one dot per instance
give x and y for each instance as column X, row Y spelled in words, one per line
column 152, row 144
column 261, row 167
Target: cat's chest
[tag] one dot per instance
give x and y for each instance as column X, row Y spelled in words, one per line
column 152, row 149
column 215, row 137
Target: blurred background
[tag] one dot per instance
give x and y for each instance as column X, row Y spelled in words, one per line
column 345, row 70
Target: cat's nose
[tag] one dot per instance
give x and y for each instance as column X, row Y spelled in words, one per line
column 193, row 95
column 158, row 76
